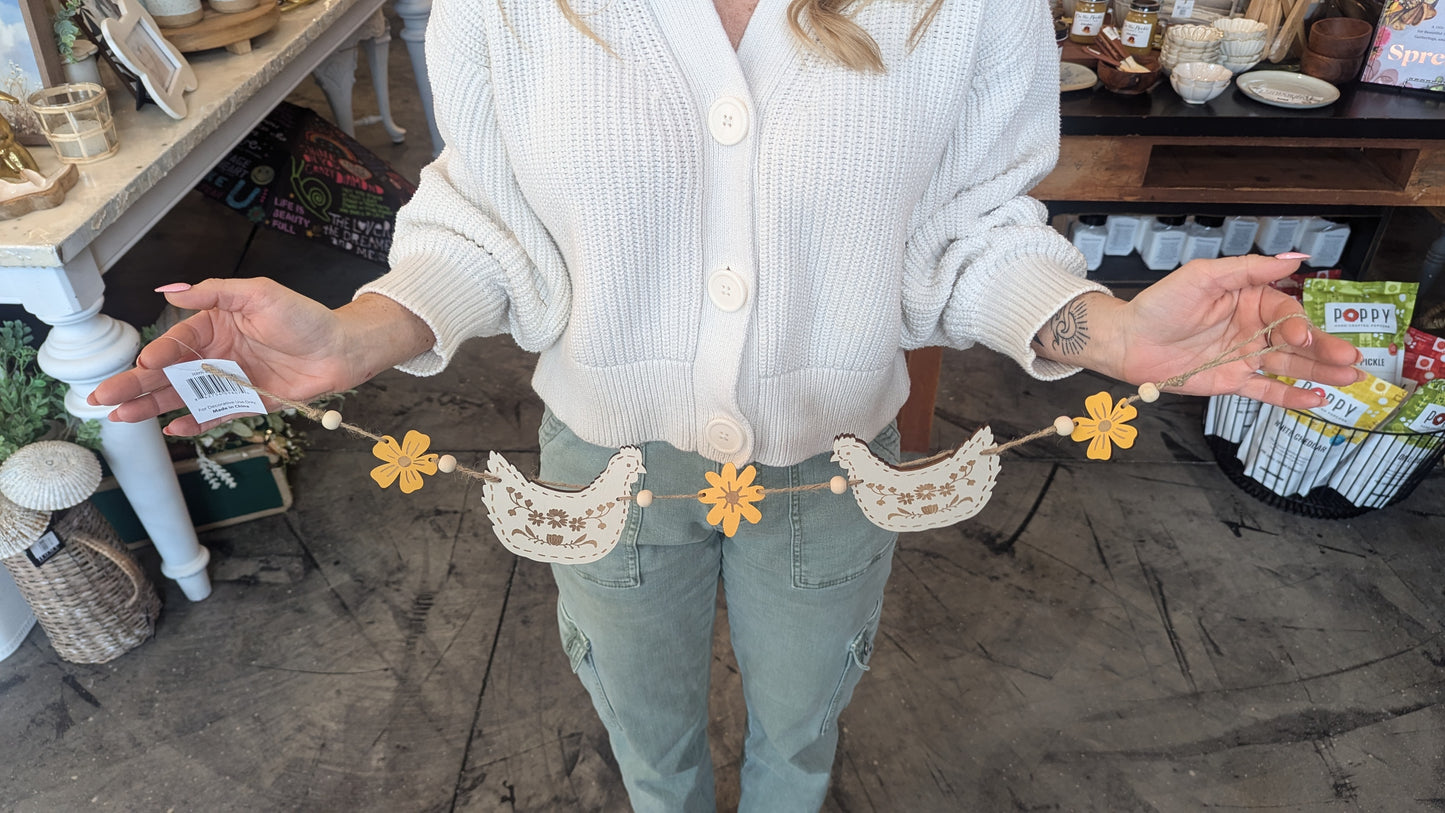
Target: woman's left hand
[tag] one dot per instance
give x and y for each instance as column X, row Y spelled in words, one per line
column 1207, row 307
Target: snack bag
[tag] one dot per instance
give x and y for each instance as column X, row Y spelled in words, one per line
column 1294, row 284
column 1386, row 459
column 1230, row 416
column 1373, row 316
column 1424, row 357
column 1291, row 452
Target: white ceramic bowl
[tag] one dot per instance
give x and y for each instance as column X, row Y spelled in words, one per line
column 1242, row 49
column 1198, row 82
column 1238, row 28
column 1239, row 67
column 1192, row 34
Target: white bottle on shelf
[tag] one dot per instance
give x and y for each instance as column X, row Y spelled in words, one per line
column 1203, row 238
column 1123, row 231
column 1277, row 234
column 1325, row 242
column 1089, row 234
column 1163, row 243
column 1239, row 232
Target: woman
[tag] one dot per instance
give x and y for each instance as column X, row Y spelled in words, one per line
column 720, row 226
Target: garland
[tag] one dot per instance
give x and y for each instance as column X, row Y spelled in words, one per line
column 931, row 492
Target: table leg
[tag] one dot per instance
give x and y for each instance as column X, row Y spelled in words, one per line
column 85, row 347
column 414, row 15
column 337, row 76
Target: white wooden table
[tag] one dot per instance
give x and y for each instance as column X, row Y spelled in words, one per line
column 52, row 261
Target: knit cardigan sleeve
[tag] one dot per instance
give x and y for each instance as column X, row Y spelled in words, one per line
column 983, row 265
column 469, row 256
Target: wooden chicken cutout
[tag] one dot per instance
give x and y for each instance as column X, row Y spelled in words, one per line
column 571, row 527
column 917, row 499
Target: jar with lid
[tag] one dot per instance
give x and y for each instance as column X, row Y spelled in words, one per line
column 1140, row 24
column 1088, row 19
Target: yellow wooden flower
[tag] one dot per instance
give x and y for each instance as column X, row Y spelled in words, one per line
column 409, row 461
column 732, row 496
column 1107, row 422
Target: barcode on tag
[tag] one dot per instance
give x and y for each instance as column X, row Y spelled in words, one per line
column 214, row 388
column 45, row 547
column 204, row 386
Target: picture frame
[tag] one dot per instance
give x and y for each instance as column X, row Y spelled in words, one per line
column 135, row 41
column 29, row 62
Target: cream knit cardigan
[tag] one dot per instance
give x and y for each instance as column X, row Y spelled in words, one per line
column 582, row 204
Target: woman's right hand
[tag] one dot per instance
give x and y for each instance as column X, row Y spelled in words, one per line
column 286, row 343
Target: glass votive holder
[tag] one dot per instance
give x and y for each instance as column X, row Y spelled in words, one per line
column 75, row 119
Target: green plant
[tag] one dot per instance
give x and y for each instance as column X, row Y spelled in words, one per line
column 32, row 404
column 66, row 29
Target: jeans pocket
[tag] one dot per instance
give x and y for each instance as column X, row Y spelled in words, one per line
column 860, row 650
column 566, row 458
column 833, row 542
column 579, row 654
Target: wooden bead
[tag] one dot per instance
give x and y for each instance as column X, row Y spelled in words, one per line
column 643, row 498
column 1148, row 393
column 838, row 484
column 1064, row 425
column 331, row 419
column 446, row 464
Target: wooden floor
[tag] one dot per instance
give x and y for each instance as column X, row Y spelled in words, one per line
column 1132, row 635
column 1137, row 635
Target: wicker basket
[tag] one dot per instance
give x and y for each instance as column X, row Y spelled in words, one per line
column 90, row 597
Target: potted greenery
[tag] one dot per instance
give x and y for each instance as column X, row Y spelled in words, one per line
column 32, row 404
column 77, row 53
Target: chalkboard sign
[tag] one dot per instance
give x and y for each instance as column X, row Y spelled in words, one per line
column 300, row 174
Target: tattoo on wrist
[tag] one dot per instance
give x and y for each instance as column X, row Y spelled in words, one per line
column 1069, row 329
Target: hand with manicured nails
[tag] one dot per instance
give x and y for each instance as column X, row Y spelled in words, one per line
column 1201, row 311
column 286, row 343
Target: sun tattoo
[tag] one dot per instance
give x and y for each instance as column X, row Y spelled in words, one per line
column 1070, row 328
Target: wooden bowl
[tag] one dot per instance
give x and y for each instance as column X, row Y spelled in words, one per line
column 1130, row 84
column 1340, row 37
column 1331, row 69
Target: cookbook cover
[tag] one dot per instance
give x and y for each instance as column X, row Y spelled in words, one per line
column 1409, row 48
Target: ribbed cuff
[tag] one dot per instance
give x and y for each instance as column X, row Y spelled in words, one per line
column 1039, row 287
column 452, row 315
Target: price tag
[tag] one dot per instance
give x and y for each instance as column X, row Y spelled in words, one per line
column 210, row 396
column 44, row 548
column 1183, row 8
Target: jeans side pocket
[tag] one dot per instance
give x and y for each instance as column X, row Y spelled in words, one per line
column 579, row 654
column 833, row 542
column 860, row 650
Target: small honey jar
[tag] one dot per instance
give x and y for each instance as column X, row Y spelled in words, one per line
column 1140, row 25
column 1088, row 20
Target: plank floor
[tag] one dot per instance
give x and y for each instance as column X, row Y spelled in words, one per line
column 1133, row 635
column 1136, row 635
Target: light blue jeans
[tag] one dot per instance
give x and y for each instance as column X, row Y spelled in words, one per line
column 804, row 590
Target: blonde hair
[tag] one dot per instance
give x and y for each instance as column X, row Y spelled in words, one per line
column 825, row 27
column 836, row 36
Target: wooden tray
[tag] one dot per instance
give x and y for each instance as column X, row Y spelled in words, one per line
column 230, row 31
column 48, row 199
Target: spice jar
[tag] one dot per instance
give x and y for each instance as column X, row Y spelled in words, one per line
column 1088, row 19
column 1137, row 32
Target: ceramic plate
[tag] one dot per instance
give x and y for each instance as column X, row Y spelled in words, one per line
column 1284, row 89
column 1073, row 76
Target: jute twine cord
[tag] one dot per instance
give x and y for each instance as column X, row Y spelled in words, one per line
column 1227, row 357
